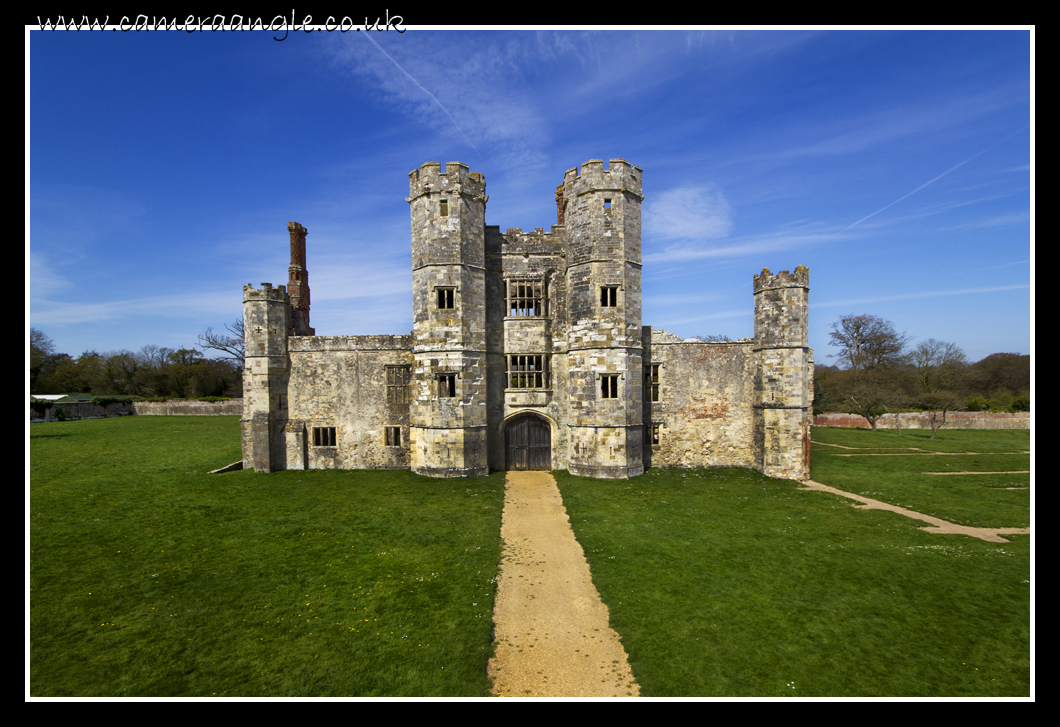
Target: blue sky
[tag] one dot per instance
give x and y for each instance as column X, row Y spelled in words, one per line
column 163, row 168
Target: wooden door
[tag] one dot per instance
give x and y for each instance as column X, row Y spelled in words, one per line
column 528, row 441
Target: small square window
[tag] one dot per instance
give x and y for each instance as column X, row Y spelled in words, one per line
column 446, row 386
column 393, row 436
column 609, row 386
column 609, row 296
column 651, row 434
column 446, row 298
column 323, row 436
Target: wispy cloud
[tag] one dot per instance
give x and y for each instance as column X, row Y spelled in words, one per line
column 688, row 213
column 914, row 295
column 420, row 86
column 47, row 313
column 739, row 247
column 935, row 179
column 455, row 83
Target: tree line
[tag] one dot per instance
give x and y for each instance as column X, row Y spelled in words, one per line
column 878, row 371
column 151, row 372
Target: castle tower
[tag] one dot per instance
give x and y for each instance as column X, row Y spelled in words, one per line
column 448, row 427
column 266, row 320
column 783, row 384
column 298, row 282
column 601, row 211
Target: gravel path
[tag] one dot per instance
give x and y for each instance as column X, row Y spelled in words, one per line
column 553, row 637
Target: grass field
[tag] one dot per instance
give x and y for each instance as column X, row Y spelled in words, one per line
column 149, row 577
column 729, row 583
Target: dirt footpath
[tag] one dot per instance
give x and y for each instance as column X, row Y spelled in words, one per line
column 553, row 637
column 935, row 525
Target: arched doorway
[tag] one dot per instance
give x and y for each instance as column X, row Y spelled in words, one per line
column 528, row 443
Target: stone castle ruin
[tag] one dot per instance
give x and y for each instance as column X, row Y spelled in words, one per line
column 527, row 352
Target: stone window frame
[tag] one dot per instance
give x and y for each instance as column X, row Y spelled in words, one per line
column 398, row 381
column 528, row 372
column 324, row 437
column 651, row 382
column 443, row 207
column 445, row 297
column 609, row 386
column 524, row 294
column 609, row 296
column 392, row 436
column 446, row 384
column 652, row 433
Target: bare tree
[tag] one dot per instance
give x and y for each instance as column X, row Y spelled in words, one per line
column 866, row 342
column 233, row 346
column 938, row 364
column 939, row 367
column 869, row 399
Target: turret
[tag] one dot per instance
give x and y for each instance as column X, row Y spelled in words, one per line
column 448, row 429
column 783, row 384
column 601, row 211
column 266, row 320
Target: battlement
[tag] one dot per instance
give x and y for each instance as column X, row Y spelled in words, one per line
column 784, row 279
column 455, row 179
column 620, row 176
column 267, row 292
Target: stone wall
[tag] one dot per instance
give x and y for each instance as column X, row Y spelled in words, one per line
column 704, row 413
column 86, row 410
column 920, row 420
column 341, row 383
column 82, row 410
column 189, row 408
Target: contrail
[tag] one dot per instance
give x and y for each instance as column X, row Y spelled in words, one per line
column 932, row 181
column 420, row 86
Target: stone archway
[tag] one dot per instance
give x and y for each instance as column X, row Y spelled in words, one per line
column 528, row 443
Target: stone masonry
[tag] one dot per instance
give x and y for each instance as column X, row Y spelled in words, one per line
column 527, row 352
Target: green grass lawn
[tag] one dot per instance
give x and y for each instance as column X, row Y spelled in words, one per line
column 728, row 583
column 149, row 577
column 891, row 467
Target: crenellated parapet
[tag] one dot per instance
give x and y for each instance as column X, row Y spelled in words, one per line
column 784, row 279
column 266, row 292
column 620, row 176
column 430, row 179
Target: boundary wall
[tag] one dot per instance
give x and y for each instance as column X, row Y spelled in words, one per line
column 86, row 410
column 921, row 420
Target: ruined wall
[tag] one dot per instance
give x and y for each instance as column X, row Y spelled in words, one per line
column 341, row 382
column 704, row 414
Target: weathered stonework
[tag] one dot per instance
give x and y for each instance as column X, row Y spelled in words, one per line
column 527, row 351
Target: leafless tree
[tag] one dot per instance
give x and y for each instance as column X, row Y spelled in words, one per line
column 938, row 364
column 866, row 342
column 232, row 346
